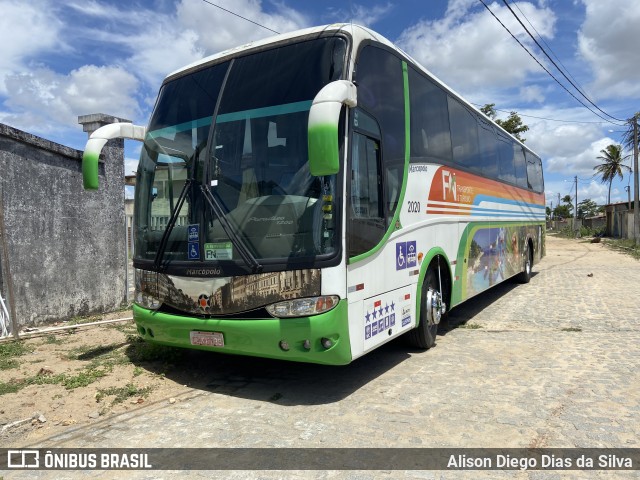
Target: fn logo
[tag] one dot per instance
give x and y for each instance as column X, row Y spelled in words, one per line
column 449, row 184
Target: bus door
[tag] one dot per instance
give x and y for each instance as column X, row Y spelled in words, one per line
column 379, row 305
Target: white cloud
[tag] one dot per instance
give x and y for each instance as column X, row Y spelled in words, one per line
column 367, row 15
column 608, row 42
column 130, row 165
column 158, row 55
column 590, row 188
column 579, row 162
column 469, row 49
column 43, row 100
column 219, row 30
column 26, row 30
column 139, row 47
column 532, row 93
column 551, row 139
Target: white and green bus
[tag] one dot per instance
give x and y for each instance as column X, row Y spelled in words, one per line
column 315, row 195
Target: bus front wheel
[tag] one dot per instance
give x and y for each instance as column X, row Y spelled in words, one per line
column 432, row 311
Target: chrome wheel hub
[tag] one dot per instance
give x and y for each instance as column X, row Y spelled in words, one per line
column 435, row 307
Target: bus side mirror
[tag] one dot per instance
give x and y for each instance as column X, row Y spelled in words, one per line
column 97, row 141
column 324, row 118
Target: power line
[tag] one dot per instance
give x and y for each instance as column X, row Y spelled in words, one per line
column 544, row 68
column 543, row 118
column 240, row 16
column 545, row 42
column 556, row 65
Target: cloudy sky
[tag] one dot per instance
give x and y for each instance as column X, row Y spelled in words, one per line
column 64, row 58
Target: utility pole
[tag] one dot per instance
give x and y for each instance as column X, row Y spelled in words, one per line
column 636, row 200
column 575, row 216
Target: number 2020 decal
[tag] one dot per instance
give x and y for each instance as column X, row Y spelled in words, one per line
column 414, row 207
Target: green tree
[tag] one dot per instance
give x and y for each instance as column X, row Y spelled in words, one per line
column 489, row 110
column 564, row 209
column 587, row 208
column 474, row 251
column 611, row 167
column 513, row 124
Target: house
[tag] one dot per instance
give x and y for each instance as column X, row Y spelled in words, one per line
column 619, row 220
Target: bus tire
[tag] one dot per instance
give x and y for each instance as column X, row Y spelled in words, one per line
column 525, row 275
column 424, row 335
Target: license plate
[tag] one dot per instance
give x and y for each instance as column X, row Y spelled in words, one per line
column 207, row 339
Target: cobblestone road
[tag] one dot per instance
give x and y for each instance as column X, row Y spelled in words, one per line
column 554, row 363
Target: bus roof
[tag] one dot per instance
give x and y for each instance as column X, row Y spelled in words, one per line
column 358, row 34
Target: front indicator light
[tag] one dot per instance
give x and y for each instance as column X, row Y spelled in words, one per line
column 303, row 307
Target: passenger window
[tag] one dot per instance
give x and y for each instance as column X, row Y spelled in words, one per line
column 521, row 166
column 488, row 152
column 534, row 172
column 430, row 135
column 507, row 171
column 464, row 136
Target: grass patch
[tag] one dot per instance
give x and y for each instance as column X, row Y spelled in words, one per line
column 624, row 245
column 9, row 387
column 69, row 381
column 53, row 340
column 470, row 326
column 569, row 232
column 103, row 356
column 9, row 351
column 83, row 378
column 122, row 393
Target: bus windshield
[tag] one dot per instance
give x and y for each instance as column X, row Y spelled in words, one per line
column 236, row 186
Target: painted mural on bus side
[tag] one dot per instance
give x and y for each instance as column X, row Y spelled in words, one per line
column 495, row 254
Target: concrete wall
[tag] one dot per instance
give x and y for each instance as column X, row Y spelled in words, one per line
column 619, row 220
column 64, row 252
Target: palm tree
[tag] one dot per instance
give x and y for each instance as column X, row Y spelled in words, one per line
column 612, row 166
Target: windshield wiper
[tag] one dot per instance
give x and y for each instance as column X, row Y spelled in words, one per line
column 241, row 247
column 172, row 223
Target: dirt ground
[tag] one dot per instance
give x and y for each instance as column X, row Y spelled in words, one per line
column 60, row 379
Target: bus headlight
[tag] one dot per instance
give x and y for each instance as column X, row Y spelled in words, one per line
column 303, row 307
column 147, row 301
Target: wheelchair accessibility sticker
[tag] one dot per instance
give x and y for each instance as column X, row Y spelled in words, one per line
column 406, row 255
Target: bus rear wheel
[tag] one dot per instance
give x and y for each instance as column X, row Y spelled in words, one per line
column 432, row 312
column 525, row 275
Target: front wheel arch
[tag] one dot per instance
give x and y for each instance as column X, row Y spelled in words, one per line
column 437, row 275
